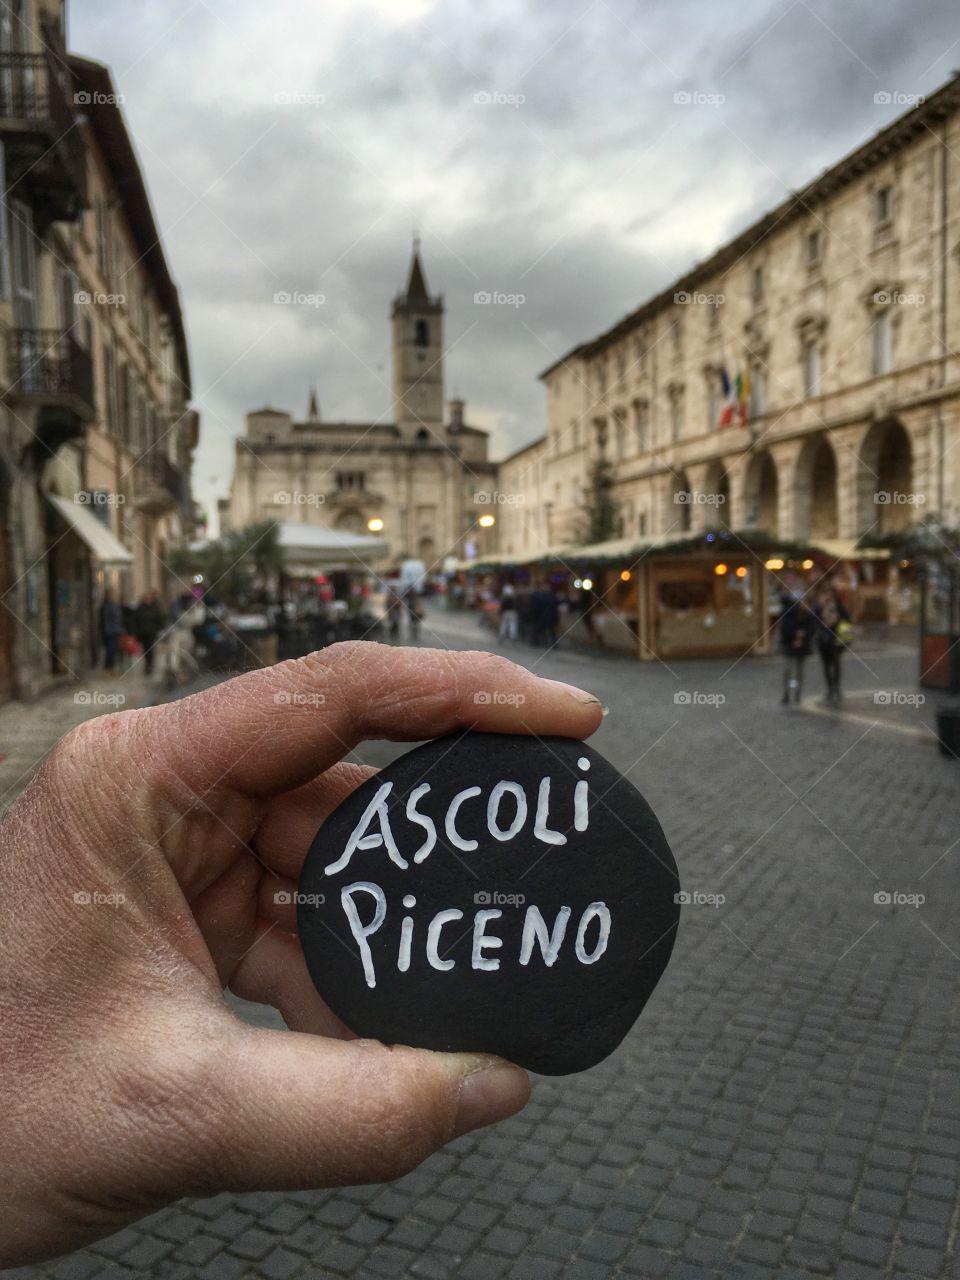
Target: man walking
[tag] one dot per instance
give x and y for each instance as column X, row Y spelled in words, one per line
column 148, row 621
column 798, row 625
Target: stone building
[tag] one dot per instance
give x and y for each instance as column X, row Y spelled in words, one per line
column 418, row 474
column 803, row 381
column 95, row 438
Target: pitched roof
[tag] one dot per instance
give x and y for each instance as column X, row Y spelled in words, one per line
column 416, row 281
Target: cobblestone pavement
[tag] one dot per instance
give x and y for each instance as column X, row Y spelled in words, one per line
column 788, row 1104
column 29, row 729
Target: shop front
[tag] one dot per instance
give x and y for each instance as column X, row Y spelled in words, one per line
column 650, row 598
column 82, row 552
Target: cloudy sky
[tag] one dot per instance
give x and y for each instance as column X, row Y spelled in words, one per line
column 536, row 145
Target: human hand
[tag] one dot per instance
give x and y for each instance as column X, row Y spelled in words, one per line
column 138, row 877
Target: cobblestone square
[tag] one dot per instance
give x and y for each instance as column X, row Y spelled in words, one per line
column 787, row 1103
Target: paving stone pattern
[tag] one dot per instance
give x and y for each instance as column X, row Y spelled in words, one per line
column 788, row 1104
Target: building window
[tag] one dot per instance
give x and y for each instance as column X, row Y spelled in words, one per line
column 421, row 334
column 141, row 441
column 66, row 298
column 640, row 425
column 642, row 524
column 24, row 266
column 756, row 284
column 676, row 335
column 620, row 431
column 814, row 248
column 621, row 359
column 713, row 401
column 640, row 353
column 758, row 390
column 350, row 481
column 676, row 415
column 714, row 313
column 109, row 389
column 883, row 205
column 125, row 405
column 811, row 368
column 103, row 240
column 4, row 231
column 881, row 333
column 601, row 377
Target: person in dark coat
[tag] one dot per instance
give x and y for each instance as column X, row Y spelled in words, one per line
column 148, row 621
column 111, row 629
column 798, row 627
column 831, row 613
column 545, row 615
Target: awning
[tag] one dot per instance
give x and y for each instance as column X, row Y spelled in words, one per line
column 629, row 550
column 309, row 547
column 107, row 548
column 846, row 549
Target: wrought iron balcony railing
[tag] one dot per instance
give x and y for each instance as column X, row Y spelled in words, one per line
column 39, row 122
column 50, row 365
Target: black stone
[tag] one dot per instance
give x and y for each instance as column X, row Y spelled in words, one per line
column 552, row 1019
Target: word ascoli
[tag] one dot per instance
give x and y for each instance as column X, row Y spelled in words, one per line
column 589, row 944
column 504, row 816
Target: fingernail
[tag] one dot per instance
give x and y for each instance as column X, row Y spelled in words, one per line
column 572, row 691
column 492, row 1090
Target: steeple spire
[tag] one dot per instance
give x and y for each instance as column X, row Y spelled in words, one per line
column 416, row 281
column 313, row 409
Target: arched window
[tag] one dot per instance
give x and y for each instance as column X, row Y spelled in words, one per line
column 422, row 334
column 423, row 436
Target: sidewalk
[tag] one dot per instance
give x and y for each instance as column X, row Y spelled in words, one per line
column 28, row 730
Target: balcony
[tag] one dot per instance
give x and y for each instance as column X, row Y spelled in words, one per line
column 160, row 485
column 50, row 372
column 46, row 161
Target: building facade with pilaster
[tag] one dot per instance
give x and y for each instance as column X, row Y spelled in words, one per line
column 413, row 480
column 96, row 436
column 803, row 381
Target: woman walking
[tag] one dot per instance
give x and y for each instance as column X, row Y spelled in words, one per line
column 832, row 620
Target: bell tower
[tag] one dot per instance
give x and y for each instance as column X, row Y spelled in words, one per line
column 417, row 330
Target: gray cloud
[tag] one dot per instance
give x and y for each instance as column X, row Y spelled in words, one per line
column 585, row 198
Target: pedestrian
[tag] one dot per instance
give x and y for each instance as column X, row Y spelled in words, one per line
column 545, row 617
column 798, row 626
column 414, row 614
column 148, row 621
column 394, row 607
column 111, row 629
column 509, row 618
column 524, row 600
column 832, row 622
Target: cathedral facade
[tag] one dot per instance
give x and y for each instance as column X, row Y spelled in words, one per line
column 417, row 482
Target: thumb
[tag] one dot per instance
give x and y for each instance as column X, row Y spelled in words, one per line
column 299, row 1111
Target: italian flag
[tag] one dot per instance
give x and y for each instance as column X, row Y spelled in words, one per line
column 729, row 398
column 736, row 398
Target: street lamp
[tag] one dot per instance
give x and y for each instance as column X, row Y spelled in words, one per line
column 375, row 524
column 487, row 521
